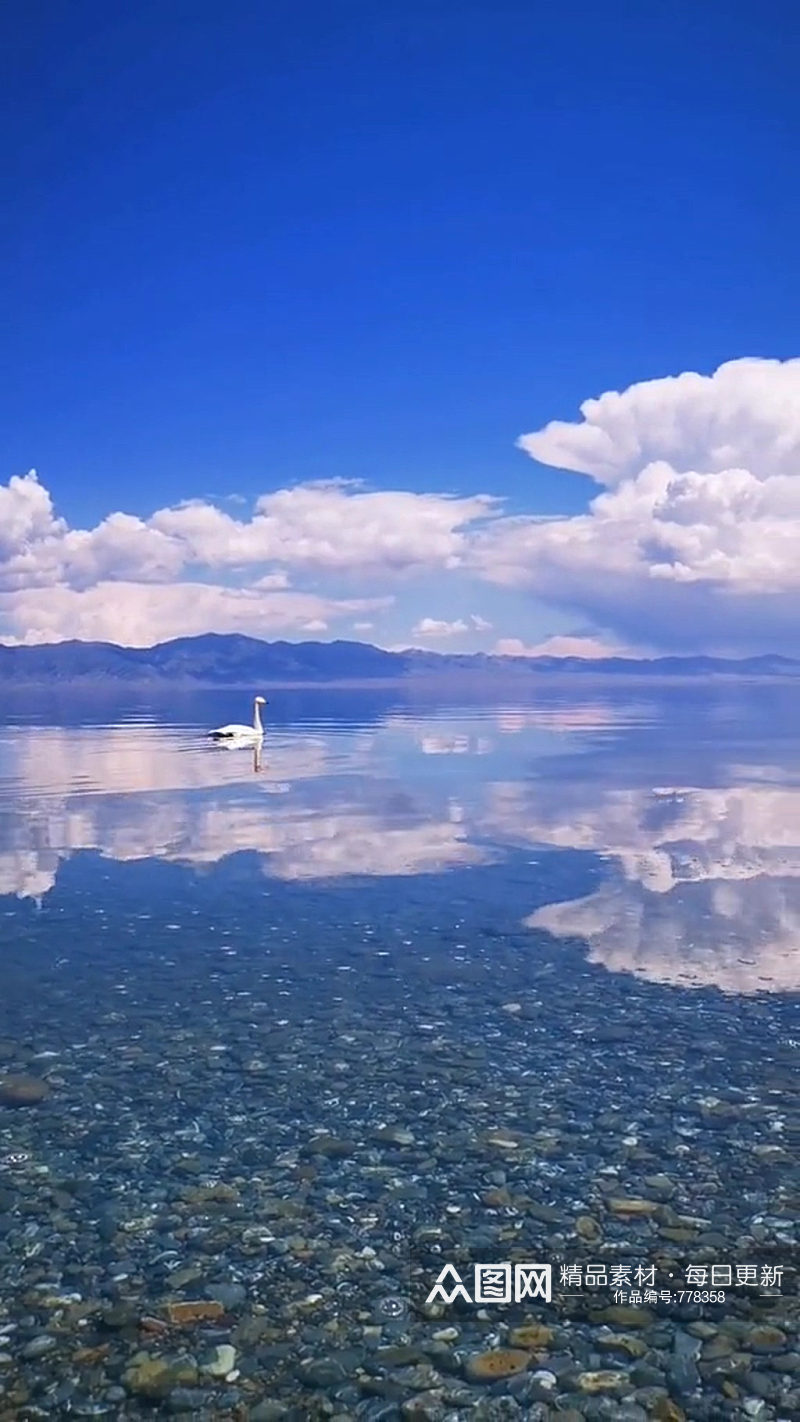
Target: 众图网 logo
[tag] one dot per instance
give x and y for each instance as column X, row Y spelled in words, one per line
column 495, row 1283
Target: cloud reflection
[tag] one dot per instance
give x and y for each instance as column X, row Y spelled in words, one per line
column 701, row 884
column 133, row 795
column 741, row 938
column 702, row 888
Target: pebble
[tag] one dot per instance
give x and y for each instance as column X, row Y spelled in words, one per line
column 23, row 1090
column 765, row 1338
column 531, row 1336
column 626, row 1316
column 229, row 1296
column 545, row 1379
column 683, row 1372
column 39, row 1346
column 148, row 1377
column 603, row 1381
column 497, row 1363
column 322, row 1372
column 588, row 1229
column 187, row 1399
column 222, row 1363
column 631, row 1208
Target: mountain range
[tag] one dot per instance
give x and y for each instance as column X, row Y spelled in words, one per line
column 232, row 660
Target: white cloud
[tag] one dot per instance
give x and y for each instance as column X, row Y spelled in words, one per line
column 690, row 546
column 334, row 526
column 693, row 545
column 440, row 627
column 141, row 614
column 434, row 627
column 319, row 526
column 560, row 646
column 121, row 579
column 55, row 581
column 271, row 581
column 26, row 515
column 747, row 414
column 37, row 549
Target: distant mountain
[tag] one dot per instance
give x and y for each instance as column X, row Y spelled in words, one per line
column 230, row 660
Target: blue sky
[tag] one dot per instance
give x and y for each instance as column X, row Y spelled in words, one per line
column 254, row 246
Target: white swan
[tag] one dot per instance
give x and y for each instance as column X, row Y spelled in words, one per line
column 243, row 734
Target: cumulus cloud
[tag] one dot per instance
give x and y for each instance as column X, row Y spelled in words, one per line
column 560, row 646
column 440, row 627
column 334, row 525
column 435, row 627
column 327, row 526
column 744, row 415
column 692, row 545
column 141, row 614
column 271, row 581
column 56, row 581
column 37, row 548
column 26, row 514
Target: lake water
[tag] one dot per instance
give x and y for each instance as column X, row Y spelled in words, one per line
column 425, row 987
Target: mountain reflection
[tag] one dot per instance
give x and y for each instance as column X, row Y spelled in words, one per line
column 700, row 882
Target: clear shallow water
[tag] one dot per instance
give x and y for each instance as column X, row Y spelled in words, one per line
column 425, row 985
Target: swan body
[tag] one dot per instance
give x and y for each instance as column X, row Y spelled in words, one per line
column 242, row 734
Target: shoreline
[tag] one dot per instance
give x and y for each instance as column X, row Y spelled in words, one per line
column 531, row 681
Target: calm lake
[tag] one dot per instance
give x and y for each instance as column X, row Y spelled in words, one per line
column 343, row 1044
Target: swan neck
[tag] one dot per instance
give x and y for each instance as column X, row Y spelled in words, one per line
column 257, row 717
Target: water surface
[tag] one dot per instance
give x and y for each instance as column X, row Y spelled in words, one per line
column 419, row 984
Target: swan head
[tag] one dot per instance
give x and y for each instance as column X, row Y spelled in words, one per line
column 261, row 701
